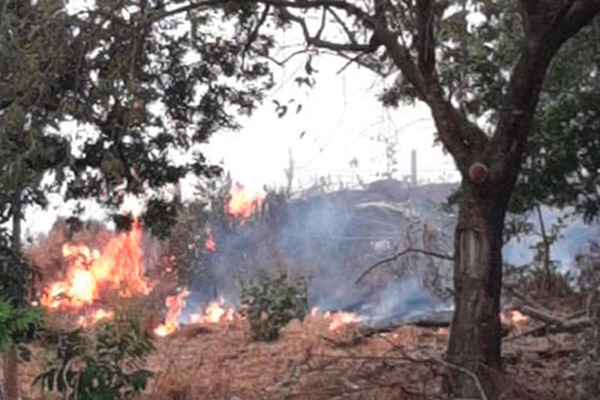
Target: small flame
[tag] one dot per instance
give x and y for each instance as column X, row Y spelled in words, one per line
column 98, row 315
column 210, row 244
column 175, row 305
column 90, row 273
column 341, row 319
column 241, row 205
column 337, row 320
column 214, row 313
column 513, row 319
column 443, row 331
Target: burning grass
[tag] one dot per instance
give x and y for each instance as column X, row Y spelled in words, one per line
column 220, row 361
column 99, row 274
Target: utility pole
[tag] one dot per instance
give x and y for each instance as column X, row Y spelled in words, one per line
column 413, row 167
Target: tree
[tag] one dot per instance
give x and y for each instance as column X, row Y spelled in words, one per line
column 31, row 48
column 459, row 70
column 562, row 163
column 128, row 72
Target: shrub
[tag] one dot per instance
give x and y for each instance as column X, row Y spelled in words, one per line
column 272, row 302
column 100, row 364
column 18, row 327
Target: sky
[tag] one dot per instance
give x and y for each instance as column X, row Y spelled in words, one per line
column 341, row 120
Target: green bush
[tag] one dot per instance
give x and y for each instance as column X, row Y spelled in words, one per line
column 104, row 363
column 18, row 327
column 272, row 302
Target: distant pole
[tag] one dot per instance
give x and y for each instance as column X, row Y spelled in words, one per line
column 413, row 167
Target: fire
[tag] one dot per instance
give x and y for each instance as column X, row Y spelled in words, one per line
column 91, row 273
column 341, row 319
column 214, row 313
column 175, row 305
column 513, row 319
column 241, row 205
column 210, row 244
column 91, row 319
column 337, row 320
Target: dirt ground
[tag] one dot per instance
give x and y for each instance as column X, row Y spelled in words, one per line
column 221, row 362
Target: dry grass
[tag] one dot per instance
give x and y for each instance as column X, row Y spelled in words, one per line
column 215, row 362
column 307, row 362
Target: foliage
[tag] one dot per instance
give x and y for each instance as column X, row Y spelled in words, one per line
column 104, row 363
column 18, row 327
column 561, row 167
column 589, row 284
column 272, row 302
column 542, row 275
column 129, row 75
column 15, row 271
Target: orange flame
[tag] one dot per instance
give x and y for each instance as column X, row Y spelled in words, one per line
column 98, row 315
column 241, row 205
column 341, row 319
column 513, row 319
column 214, row 313
column 90, row 273
column 174, row 305
column 337, row 320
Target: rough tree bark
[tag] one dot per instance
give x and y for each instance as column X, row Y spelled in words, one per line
column 489, row 164
column 477, row 284
column 10, row 360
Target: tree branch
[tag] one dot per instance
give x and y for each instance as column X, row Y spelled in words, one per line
column 546, row 30
column 424, row 40
column 345, row 28
column 159, row 15
column 400, row 254
column 316, row 40
column 344, row 5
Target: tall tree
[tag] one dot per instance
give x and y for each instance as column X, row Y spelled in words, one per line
column 562, row 164
column 459, row 70
column 143, row 84
column 31, row 47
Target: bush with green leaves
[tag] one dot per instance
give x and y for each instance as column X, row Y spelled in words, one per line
column 104, row 363
column 18, row 327
column 272, row 302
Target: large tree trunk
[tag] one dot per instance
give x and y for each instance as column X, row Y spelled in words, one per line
column 475, row 337
column 9, row 372
column 10, row 359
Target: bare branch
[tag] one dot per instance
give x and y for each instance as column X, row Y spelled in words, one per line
column 281, row 63
column 464, row 371
column 318, row 42
column 344, row 5
column 323, row 20
column 552, row 324
column 424, row 41
column 577, row 15
column 404, row 252
column 193, row 6
column 345, row 28
column 254, row 34
column 459, row 135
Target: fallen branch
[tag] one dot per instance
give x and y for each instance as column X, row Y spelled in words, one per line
column 573, row 323
column 404, row 252
column 464, row 371
column 366, row 332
